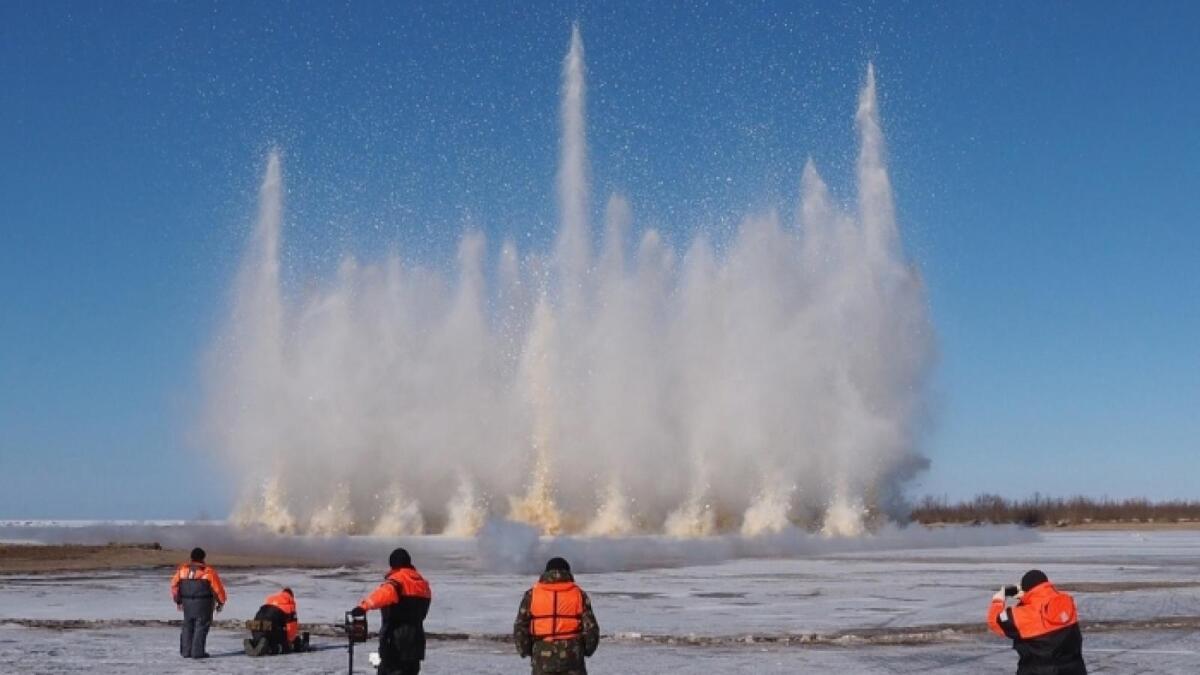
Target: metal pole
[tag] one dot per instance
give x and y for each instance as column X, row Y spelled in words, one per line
column 350, row 638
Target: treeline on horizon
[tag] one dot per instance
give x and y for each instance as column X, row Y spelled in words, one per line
column 1040, row 510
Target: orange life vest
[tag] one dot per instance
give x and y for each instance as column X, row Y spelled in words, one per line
column 556, row 611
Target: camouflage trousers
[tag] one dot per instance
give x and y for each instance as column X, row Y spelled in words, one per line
column 539, row 671
column 563, row 657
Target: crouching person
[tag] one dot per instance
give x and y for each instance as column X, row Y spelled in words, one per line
column 555, row 625
column 1043, row 626
column 275, row 628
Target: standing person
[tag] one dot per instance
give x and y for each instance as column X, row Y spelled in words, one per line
column 555, row 625
column 1043, row 626
column 197, row 590
column 403, row 600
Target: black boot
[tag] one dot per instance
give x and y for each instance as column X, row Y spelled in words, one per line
column 258, row 646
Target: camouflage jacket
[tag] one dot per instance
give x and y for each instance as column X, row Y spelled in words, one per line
column 558, row 656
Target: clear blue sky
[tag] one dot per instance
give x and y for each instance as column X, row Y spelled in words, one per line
column 1046, row 158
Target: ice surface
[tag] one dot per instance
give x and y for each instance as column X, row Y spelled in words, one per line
column 1116, row 576
column 125, row 652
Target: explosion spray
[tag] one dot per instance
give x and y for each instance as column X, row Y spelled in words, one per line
column 655, row 390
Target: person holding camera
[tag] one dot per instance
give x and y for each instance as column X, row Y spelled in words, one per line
column 1043, row 626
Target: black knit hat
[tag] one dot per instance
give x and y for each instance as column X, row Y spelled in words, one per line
column 198, row 554
column 400, row 558
column 1032, row 578
column 559, row 564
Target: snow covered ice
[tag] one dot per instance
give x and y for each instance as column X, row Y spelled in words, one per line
column 126, row 653
column 897, row 609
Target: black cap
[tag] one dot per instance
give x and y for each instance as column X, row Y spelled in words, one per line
column 288, row 591
column 559, row 564
column 400, row 558
column 1032, row 578
column 198, row 554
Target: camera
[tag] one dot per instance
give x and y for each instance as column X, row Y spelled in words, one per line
column 1011, row 591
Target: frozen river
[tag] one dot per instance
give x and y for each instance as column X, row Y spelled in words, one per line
column 152, row 650
column 864, row 611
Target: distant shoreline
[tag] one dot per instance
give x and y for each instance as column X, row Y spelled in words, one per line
column 1119, row 525
column 56, row 558
column 1082, row 513
column 1113, row 526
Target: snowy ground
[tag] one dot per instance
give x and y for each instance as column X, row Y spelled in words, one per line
column 871, row 611
column 124, row 652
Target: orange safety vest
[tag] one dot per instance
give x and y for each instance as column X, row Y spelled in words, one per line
column 556, row 611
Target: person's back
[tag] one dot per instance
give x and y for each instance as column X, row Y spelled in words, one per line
column 276, row 627
column 1044, row 628
column 555, row 625
column 403, row 601
column 197, row 591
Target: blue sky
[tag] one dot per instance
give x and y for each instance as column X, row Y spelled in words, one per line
column 1046, row 158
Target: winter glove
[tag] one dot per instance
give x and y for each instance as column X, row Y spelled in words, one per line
column 220, row 606
column 374, row 659
column 999, row 596
column 358, row 611
column 179, row 606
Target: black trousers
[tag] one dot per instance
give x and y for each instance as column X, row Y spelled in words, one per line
column 400, row 668
column 197, row 619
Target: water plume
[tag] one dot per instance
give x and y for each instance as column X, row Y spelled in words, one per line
column 769, row 514
column 465, row 515
column 336, row 517
column 613, row 519
column 268, row 509
column 401, row 516
column 572, row 250
column 772, row 382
